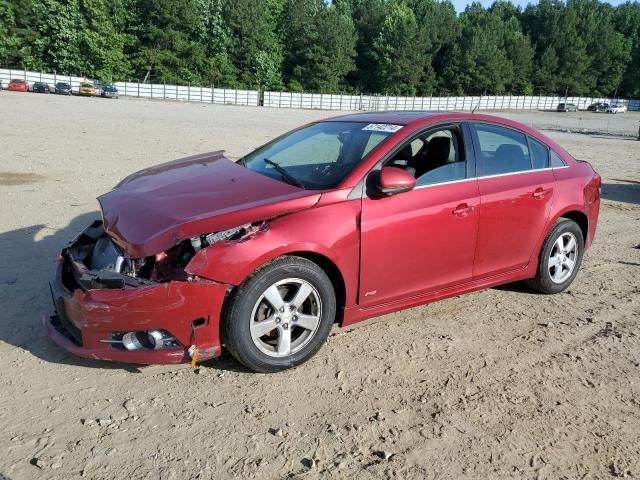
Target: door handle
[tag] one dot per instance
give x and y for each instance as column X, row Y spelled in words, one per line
column 462, row 210
column 539, row 192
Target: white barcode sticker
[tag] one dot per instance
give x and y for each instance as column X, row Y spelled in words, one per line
column 383, row 127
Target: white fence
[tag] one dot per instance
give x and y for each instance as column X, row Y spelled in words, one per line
column 382, row 103
column 147, row 90
column 318, row 100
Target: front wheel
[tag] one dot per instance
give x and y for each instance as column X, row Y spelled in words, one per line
column 560, row 258
column 280, row 316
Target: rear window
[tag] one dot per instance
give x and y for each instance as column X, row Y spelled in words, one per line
column 539, row 154
column 556, row 161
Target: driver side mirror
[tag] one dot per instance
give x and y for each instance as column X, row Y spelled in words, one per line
column 394, row 180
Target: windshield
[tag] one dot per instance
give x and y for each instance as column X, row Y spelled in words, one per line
column 319, row 156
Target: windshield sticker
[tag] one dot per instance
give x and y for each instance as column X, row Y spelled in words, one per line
column 383, row 127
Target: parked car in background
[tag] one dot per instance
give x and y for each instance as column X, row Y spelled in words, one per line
column 40, row 87
column 338, row 221
column 62, row 88
column 598, row 107
column 567, row 107
column 617, row 108
column 109, row 91
column 0, row 84
column 17, row 85
column 87, row 89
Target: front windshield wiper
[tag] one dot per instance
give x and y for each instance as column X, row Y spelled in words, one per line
column 282, row 171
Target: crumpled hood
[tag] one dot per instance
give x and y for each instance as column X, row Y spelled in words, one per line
column 151, row 210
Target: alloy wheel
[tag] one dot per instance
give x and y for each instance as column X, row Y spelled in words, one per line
column 562, row 259
column 286, row 317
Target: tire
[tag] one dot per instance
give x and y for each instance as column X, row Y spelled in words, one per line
column 559, row 259
column 266, row 327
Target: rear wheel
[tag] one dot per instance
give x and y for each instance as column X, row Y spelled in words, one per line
column 280, row 316
column 560, row 257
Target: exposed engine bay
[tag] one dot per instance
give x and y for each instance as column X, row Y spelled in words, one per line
column 94, row 260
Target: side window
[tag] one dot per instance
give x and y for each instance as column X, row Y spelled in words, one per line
column 556, row 161
column 539, row 154
column 502, row 150
column 434, row 157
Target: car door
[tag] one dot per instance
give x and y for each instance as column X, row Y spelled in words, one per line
column 424, row 239
column 516, row 190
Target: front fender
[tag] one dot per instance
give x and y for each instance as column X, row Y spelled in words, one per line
column 331, row 231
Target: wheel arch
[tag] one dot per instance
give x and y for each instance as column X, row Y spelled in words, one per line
column 574, row 213
column 334, row 274
column 577, row 216
column 327, row 265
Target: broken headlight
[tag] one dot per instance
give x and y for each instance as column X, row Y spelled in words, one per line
column 203, row 241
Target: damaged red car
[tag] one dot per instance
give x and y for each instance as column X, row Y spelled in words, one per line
column 336, row 222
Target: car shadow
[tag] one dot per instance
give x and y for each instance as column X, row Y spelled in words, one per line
column 517, row 287
column 27, row 262
column 627, row 191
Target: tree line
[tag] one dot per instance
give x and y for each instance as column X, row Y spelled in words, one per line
column 396, row 47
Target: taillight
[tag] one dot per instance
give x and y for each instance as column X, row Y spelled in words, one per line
column 593, row 190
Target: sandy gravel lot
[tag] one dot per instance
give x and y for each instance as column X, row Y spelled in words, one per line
column 502, row 383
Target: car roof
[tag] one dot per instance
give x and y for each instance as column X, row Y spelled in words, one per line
column 422, row 117
column 394, row 117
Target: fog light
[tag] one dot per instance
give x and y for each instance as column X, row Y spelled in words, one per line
column 146, row 339
column 156, row 338
column 131, row 341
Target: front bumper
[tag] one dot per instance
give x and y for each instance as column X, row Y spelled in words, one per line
column 189, row 311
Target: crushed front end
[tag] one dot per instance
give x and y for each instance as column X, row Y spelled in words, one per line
column 144, row 311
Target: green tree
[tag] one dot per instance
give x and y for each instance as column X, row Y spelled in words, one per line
column 255, row 49
column 319, row 46
column 398, row 63
column 216, row 38
column 480, row 64
column 167, row 48
column 105, row 41
column 8, row 39
column 439, row 30
column 402, row 47
column 551, row 25
column 517, row 47
column 58, row 37
column 368, row 17
column 608, row 50
column 627, row 21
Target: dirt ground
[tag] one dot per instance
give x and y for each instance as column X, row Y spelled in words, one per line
column 502, row 383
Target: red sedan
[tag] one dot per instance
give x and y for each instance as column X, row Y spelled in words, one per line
column 17, row 85
column 338, row 221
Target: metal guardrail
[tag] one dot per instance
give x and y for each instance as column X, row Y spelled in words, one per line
column 319, row 101
column 433, row 103
column 145, row 90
